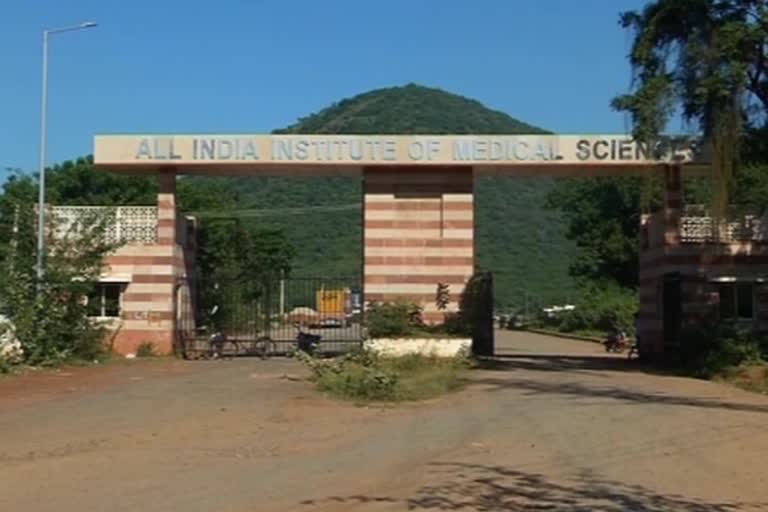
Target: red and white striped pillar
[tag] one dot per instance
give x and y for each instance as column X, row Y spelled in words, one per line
column 418, row 233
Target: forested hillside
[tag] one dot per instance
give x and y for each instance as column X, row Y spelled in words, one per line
column 516, row 237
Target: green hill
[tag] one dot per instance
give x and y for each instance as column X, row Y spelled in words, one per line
column 518, row 240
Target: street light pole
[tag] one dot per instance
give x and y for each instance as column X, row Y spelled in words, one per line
column 43, row 144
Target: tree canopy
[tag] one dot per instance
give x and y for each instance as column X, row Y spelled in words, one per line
column 708, row 60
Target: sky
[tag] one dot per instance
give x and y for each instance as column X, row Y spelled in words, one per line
column 250, row 66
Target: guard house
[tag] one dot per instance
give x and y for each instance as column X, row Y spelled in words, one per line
column 694, row 270
column 418, row 219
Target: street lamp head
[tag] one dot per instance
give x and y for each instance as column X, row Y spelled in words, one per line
column 88, row 24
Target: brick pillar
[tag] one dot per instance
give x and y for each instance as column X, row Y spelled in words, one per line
column 418, row 232
column 148, row 302
column 673, row 204
column 653, row 262
column 166, row 209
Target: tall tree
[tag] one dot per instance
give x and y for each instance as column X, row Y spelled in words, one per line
column 707, row 59
column 603, row 218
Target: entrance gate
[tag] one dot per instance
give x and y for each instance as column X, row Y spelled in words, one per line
column 264, row 317
column 418, row 220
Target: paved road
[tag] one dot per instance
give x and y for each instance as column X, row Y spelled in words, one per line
column 573, row 431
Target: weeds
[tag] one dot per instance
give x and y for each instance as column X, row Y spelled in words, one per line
column 366, row 376
column 146, row 349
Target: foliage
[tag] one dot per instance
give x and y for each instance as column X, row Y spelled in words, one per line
column 50, row 317
column 364, row 375
column 512, row 229
column 409, row 109
column 600, row 310
column 710, row 350
column 146, row 349
column 11, row 351
column 707, row 59
column 603, row 218
column 511, row 224
column 230, row 249
column 76, row 183
column 393, row 319
column 404, row 320
column 442, row 296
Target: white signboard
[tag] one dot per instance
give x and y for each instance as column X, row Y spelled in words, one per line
column 392, row 150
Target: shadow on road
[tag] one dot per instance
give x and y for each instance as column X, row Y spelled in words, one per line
column 560, row 362
column 461, row 486
column 502, row 376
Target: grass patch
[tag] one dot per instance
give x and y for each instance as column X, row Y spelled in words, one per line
column 751, row 377
column 366, row 376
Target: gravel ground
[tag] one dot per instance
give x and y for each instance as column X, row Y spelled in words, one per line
column 551, row 424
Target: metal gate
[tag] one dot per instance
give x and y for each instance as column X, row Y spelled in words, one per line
column 257, row 317
column 477, row 307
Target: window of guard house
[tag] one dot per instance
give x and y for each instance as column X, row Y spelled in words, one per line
column 104, row 301
column 736, row 301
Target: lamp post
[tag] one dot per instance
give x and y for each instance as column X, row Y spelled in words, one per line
column 43, row 142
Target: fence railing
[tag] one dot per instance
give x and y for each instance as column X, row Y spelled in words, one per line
column 698, row 226
column 246, row 310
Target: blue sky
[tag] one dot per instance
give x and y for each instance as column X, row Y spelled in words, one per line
column 254, row 65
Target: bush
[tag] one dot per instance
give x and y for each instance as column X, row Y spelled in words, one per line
column 393, row 319
column 366, row 376
column 146, row 349
column 599, row 310
column 706, row 351
column 403, row 320
column 50, row 317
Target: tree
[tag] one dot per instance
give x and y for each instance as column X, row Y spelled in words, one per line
column 50, row 316
column 78, row 183
column 603, row 217
column 707, row 59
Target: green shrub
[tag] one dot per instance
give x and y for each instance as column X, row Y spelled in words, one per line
column 457, row 325
column 50, row 317
column 706, row 351
column 600, row 310
column 366, row 376
column 403, row 320
column 146, row 349
column 393, row 319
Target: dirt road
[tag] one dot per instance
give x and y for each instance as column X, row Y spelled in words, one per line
column 555, row 425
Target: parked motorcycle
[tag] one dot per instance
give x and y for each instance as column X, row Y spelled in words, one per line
column 217, row 340
column 307, row 342
column 617, row 341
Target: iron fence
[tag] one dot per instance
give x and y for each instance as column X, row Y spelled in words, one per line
column 251, row 315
